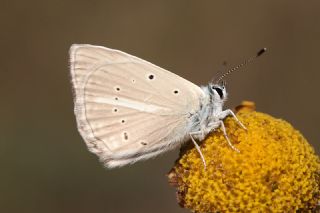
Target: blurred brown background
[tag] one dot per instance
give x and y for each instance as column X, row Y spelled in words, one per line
column 45, row 166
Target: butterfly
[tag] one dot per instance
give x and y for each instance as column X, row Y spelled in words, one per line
column 128, row 109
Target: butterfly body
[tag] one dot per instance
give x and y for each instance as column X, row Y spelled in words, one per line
column 207, row 117
column 128, row 109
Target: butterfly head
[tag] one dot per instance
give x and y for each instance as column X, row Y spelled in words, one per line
column 217, row 91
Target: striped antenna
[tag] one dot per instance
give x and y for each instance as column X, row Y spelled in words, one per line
column 259, row 53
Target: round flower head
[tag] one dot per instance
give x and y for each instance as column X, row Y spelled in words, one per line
column 275, row 171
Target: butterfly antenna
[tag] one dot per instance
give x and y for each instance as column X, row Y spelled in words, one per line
column 259, row 53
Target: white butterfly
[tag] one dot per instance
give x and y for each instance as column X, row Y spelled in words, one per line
column 128, row 109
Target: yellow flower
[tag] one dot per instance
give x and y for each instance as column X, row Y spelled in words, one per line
column 275, row 171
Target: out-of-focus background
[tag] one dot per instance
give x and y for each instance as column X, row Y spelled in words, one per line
column 45, row 165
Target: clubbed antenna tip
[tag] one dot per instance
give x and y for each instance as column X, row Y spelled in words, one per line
column 263, row 50
column 260, row 52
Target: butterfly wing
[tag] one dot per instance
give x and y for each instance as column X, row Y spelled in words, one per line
column 128, row 109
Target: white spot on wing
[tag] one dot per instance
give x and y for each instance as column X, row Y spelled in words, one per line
column 137, row 105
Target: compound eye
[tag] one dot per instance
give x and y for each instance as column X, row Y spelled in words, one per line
column 219, row 91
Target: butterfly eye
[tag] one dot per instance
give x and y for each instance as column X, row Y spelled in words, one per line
column 219, row 91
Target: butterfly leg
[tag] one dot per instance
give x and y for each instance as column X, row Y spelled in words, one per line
column 227, row 112
column 226, row 136
column 198, row 147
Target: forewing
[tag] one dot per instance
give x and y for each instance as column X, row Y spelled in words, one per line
column 127, row 107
